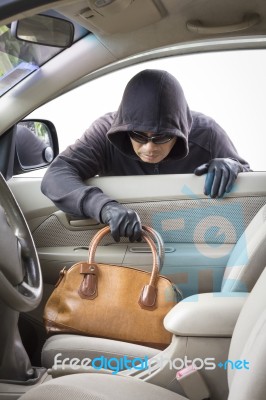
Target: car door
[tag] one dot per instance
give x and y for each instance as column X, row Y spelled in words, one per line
column 199, row 233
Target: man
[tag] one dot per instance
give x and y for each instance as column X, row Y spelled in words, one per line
column 153, row 132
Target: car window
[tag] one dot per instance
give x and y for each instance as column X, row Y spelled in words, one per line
column 228, row 86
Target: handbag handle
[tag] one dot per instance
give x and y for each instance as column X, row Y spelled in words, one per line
column 160, row 244
column 148, row 294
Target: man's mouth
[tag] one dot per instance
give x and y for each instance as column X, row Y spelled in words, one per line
column 150, row 156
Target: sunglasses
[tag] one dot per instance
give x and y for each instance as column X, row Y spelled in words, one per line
column 143, row 139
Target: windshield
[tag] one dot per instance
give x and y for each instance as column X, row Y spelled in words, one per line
column 18, row 59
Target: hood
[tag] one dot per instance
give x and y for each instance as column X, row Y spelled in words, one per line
column 153, row 101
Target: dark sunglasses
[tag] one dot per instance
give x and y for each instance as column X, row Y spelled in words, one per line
column 143, row 139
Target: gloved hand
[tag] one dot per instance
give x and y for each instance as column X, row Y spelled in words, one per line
column 221, row 175
column 122, row 221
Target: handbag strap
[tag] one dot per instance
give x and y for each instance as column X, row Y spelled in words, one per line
column 104, row 231
column 160, row 244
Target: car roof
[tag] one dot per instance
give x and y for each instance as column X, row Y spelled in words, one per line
column 129, row 27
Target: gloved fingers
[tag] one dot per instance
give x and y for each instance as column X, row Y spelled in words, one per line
column 228, row 178
column 128, row 225
column 231, row 181
column 123, row 222
column 134, row 233
column 216, row 182
column 202, row 169
column 208, row 183
column 125, row 227
column 115, row 231
column 133, row 229
column 221, row 175
column 225, row 175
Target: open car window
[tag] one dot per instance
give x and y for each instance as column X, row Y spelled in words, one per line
column 228, row 86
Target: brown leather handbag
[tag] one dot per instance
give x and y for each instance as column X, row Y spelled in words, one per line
column 109, row 301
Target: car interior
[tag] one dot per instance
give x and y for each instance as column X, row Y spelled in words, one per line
column 214, row 249
column 247, row 343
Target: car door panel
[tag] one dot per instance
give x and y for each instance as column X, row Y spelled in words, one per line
column 200, row 232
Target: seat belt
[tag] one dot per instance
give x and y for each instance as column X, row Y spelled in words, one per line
column 193, row 384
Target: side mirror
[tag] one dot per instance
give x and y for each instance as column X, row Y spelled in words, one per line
column 45, row 30
column 36, row 144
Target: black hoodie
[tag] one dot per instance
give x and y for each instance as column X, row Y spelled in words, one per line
column 153, row 101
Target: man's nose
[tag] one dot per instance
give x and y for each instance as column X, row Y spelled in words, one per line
column 150, row 145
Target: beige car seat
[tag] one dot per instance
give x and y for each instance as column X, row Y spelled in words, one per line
column 248, row 343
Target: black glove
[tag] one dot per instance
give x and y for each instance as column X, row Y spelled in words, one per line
column 221, row 175
column 122, row 221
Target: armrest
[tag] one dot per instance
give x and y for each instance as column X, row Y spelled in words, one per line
column 206, row 315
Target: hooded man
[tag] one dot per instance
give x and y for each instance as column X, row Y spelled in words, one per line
column 152, row 132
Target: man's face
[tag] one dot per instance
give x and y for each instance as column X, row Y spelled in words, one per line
column 151, row 152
